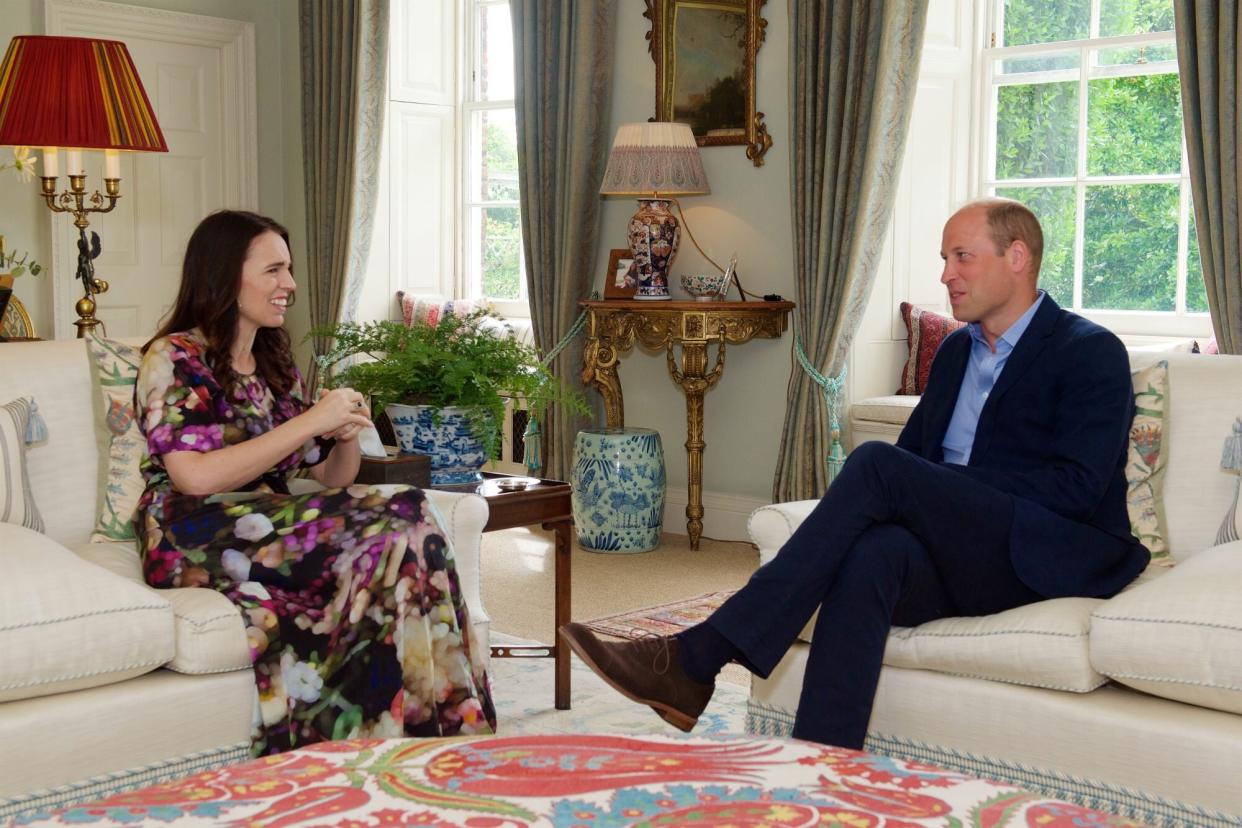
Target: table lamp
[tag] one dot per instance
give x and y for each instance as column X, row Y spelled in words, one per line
column 77, row 94
column 655, row 162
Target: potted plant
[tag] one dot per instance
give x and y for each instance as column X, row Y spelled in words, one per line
column 12, row 265
column 443, row 386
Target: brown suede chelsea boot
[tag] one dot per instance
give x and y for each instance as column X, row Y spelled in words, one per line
column 646, row 670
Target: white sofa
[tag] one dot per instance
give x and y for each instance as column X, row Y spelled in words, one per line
column 1132, row 705
column 105, row 683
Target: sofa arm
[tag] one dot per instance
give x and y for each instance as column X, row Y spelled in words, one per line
column 771, row 526
column 463, row 517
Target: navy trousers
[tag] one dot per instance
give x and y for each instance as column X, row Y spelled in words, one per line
column 897, row 539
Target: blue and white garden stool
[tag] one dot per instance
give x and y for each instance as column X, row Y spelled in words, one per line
column 618, row 489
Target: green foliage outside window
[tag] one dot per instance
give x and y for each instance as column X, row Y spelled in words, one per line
column 501, row 226
column 1134, row 128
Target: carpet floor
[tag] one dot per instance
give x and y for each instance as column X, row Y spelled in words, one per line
column 518, row 589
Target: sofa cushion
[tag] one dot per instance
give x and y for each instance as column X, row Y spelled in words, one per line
column 1231, row 460
column 1146, row 459
column 1178, row 636
column 17, row 503
column 66, row 624
column 210, row 635
column 894, row 409
column 1039, row 645
column 114, row 368
column 925, row 330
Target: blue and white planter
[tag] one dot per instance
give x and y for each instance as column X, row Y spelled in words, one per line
column 456, row 454
column 618, row 489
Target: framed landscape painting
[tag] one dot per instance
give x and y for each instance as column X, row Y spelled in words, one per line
column 704, row 52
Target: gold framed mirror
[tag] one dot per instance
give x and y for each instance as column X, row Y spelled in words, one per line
column 705, row 52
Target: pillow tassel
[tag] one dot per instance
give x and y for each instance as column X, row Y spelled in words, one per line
column 36, row 428
column 1231, row 457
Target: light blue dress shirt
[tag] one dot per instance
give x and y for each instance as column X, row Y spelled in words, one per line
column 982, row 369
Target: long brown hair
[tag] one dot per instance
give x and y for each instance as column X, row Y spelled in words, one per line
column 210, row 284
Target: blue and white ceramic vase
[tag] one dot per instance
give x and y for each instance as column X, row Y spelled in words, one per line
column 618, row 489
column 456, row 454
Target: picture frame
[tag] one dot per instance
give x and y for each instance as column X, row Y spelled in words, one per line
column 705, row 53
column 621, row 280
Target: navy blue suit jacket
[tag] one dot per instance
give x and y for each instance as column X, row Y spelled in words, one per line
column 1052, row 434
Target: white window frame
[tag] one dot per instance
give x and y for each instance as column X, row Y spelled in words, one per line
column 1178, row 322
column 470, row 269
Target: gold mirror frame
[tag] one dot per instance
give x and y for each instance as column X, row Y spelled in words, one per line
column 662, row 43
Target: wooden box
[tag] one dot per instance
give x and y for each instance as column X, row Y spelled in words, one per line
column 410, row 469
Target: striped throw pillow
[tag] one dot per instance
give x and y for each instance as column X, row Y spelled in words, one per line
column 17, row 503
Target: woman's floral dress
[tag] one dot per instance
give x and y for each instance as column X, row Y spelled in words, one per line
column 350, row 598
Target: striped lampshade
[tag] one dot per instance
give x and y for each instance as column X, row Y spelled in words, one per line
column 74, row 92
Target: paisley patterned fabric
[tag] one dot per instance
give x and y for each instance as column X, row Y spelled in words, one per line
column 350, row 598
column 1146, row 459
column 925, row 330
column 581, row 780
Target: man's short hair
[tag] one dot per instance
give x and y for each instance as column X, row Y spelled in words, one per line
column 1010, row 221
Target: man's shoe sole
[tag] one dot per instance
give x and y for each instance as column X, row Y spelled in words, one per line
column 671, row 715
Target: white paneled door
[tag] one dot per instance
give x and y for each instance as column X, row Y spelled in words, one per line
column 199, row 74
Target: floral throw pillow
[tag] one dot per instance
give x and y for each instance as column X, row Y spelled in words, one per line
column 1231, row 460
column 1146, row 460
column 114, row 367
column 925, row 330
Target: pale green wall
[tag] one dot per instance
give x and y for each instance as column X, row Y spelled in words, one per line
column 25, row 222
column 747, row 213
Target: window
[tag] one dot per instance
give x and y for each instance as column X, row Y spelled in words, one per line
column 1084, row 125
column 448, row 223
column 492, row 242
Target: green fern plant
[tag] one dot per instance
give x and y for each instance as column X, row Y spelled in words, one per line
column 459, row 362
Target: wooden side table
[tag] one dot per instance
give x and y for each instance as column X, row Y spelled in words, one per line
column 548, row 503
column 612, row 327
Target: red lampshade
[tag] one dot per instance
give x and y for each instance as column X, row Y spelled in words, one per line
column 74, row 92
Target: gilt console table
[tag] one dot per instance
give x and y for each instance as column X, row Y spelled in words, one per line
column 612, row 327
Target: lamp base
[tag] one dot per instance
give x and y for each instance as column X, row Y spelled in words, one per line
column 654, row 234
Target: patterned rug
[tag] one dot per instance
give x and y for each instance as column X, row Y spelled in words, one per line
column 522, row 688
column 664, row 619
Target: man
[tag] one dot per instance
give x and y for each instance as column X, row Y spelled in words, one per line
column 1006, row 487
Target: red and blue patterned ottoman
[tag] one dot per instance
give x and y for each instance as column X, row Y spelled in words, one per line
column 579, row 780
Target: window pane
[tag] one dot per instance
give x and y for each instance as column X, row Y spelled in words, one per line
column 1134, row 125
column 1126, row 17
column 1036, row 130
column 495, row 53
column 1139, row 55
column 1196, row 293
column 1054, row 207
column 496, row 175
column 1045, row 21
column 1130, row 247
column 498, row 236
column 1043, row 63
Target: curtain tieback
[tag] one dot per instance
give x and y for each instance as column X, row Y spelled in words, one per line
column 833, row 388
column 532, row 441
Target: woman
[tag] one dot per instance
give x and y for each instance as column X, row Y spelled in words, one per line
column 350, row 599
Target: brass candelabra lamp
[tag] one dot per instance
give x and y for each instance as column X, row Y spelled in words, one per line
column 76, row 201
column 79, row 94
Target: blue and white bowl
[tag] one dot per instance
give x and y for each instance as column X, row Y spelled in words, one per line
column 456, row 454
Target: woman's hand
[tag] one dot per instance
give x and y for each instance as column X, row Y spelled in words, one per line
column 340, row 414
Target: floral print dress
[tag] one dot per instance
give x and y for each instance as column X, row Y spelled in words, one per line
column 349, row 597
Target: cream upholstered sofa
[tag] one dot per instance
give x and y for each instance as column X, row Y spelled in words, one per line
column 106, row 683
column 1133, row 704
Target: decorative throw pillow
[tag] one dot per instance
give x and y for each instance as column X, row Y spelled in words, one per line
column 1146, row 460
column 114, row 367
column 428, row 312
column 17, row 504
column 925, row 330
column 1231, row 459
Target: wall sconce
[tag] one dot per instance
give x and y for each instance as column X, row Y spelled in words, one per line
column 77, row 94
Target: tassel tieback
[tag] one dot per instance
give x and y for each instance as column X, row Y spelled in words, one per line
column 36, row 428
column 1231, row 456
column 532, row 443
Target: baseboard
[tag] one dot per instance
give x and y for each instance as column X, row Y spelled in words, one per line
column 724, row 515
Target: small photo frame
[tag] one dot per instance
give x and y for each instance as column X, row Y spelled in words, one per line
column 621, row 280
